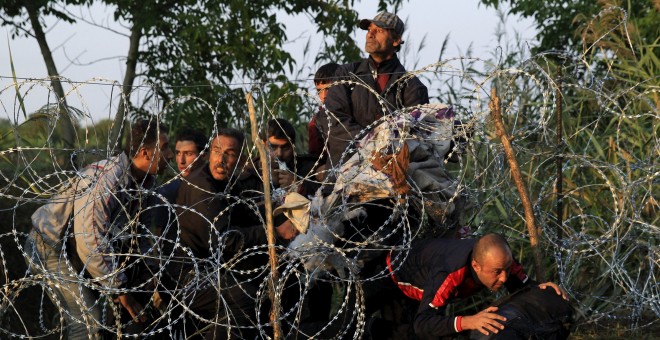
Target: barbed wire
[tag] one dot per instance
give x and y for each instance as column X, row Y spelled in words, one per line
column 603, row 250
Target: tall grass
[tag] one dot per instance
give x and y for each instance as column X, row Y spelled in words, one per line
column 604, row 248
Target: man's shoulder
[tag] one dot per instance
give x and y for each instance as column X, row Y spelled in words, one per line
column 175, row 183
column 352, row 67
column 249, row 180
column 432, row 242
column 306, row 157
column 199, row 175
column 198, row 179
column 451, row 251
column 401, row 71
column 110, row 172
column 306, row 163
column 170, row 189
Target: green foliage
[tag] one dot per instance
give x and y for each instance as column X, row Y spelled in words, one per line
column 628, row 50
column 602, row 246
column 211, row 52
column 13, row 74
column 13, row 13
column 556, row 19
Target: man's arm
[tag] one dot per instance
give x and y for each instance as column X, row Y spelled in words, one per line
column 415, row 93
column 485, row 321
column 430, row 320
column 337, row 122
column 133, row 307
column 432, row 323
column 92, row 223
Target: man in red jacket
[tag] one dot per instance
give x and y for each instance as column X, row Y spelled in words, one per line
column 437, row 272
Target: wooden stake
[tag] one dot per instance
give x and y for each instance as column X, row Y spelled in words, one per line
column 559, row 160
column 270, row 231
column 495, row 112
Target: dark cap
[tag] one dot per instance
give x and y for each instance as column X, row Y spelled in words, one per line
column 384, row 20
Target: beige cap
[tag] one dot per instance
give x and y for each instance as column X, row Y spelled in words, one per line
column 296, row 209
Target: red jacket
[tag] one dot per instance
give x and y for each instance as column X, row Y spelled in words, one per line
column 315, row 145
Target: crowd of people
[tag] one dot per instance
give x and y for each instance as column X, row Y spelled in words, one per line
column 205, row 269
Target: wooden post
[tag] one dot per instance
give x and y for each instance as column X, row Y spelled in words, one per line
column 495, row 112
column 270, row 231
column 559, row 160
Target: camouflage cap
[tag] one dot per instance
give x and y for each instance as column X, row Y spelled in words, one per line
column 385, row 20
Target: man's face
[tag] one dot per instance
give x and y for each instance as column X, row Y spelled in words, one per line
column 223, row 157
column 380, row 42
column 322, row 90
column 281, row 148
column 157, row 157
column 493, row 269
column 186, row 154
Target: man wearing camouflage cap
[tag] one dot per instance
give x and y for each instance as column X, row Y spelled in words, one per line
column 350, row 107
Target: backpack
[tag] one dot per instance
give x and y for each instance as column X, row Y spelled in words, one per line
column 54, row 221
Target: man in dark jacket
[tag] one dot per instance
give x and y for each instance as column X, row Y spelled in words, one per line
column 378, row 85
column 188, row 154
column 323, row 77
column 213, row 232
column 437, row 272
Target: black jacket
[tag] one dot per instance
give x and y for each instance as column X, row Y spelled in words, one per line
column 205, row 209
column 351, row 107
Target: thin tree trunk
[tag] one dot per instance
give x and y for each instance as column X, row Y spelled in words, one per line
column 495, row 112
column 68, row 130
column 270, row 230
column 127, row 85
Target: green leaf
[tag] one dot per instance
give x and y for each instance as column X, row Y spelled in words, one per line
column 14, row 78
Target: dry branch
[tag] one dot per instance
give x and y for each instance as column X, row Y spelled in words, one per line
column 495, row 112
column 270, row 231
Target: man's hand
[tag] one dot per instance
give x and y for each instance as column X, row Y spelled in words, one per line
column 321, row 173
column 286, row 230
column 485, row 321
column 559, row 290
column 132, row 306
column 283, row 178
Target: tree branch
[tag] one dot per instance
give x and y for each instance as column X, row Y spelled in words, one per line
column 495, row 112
column 272, row 254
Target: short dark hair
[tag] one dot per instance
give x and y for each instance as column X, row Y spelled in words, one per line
column 232, row 133
column 144, row 132
column 280, row 128
column 195, row 136
column 325, row 73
